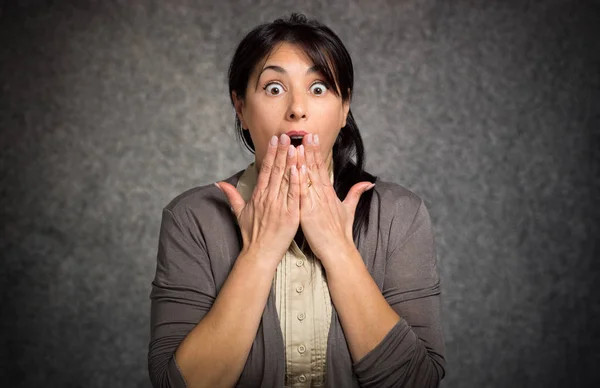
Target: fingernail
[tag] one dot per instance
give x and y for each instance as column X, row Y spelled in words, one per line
column 273, row 141
column 301, row 150
column 316, row 139
column 284, row 139
column 309, row 139
column 303, row 169
column 370, row 187
column 219, row 187
column 291, row 151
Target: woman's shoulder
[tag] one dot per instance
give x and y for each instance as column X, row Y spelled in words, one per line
column 392, row 195
column 399, row 209
column 201, row 199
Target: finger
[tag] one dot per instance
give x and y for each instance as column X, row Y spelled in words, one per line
column 266, row 166
column 354, row 194
column 312, row 175
column 293, row 197
column 322, row 169
column 279, row 165
column 301, row 157
column 303, row 183
column 311, row 168
column 308, row 151
column 233, row 196
column 285, row 180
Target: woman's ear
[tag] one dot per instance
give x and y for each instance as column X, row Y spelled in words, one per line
column 345, row 110
column 238, row 103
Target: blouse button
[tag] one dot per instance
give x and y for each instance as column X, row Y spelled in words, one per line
column 301, row 349
column 301, row 378
column 301, row 316
column 299, row 263
column 299, row 289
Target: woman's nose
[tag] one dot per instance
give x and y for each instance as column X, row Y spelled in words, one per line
column 297, row 109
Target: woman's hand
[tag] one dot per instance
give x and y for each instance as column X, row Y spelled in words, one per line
column 326, row 221
column 270, row 219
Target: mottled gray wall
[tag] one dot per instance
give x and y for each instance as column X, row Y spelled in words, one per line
column 487, row 109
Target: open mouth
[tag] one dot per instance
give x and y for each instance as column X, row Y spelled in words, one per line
column 296, row 140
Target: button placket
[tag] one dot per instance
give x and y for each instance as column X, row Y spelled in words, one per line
column 301, row 327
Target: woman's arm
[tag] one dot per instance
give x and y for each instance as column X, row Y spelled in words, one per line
column 394, row 337
column 212, row 336
column 365, row 315
column 214, row 353
column 213, row 333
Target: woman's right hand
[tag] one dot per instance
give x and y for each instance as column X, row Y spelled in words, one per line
column 270, row 219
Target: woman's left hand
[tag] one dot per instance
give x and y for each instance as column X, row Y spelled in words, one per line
column 326, row 221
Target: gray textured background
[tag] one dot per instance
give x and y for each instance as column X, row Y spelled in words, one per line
column 487, row 109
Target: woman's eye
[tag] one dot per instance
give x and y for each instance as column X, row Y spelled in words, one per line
column 273, row 89
column 318, row 88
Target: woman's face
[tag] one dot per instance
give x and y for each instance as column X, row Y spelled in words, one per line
column 287, row 94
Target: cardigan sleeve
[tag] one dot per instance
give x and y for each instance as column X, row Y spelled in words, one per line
column 412, row 353
column 182, row 293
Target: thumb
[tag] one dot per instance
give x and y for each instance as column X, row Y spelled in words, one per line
column 233, row 196
column 355, row 192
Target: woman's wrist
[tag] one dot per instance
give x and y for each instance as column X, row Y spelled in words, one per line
column 266, row 259
column 341, row 258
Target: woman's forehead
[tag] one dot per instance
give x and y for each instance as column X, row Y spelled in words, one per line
column 285, row 54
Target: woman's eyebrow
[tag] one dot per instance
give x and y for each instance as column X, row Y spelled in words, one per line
column 281, row 70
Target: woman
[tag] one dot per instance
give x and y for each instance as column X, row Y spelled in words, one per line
column 297, row 271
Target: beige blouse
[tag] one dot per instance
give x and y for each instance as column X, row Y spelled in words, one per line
column 303, row 306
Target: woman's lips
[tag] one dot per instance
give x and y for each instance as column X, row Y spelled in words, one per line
column 296, row 133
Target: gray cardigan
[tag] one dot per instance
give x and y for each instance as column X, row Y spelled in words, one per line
column 199, row 242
